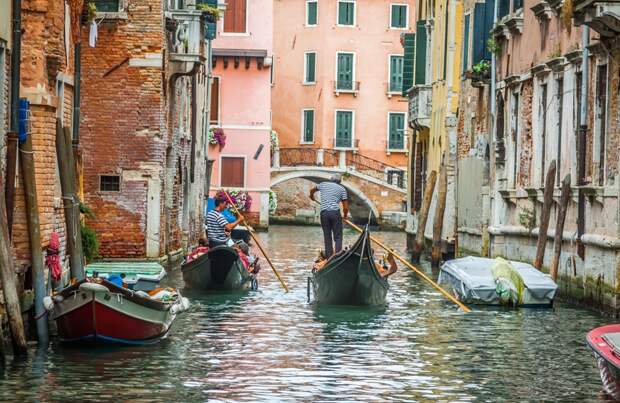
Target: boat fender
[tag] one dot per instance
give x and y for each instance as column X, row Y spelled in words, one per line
column 185, row 303
column 180, row 306
column 142, row 294
column 48, row 303
column 58, row 298
column 93, row 287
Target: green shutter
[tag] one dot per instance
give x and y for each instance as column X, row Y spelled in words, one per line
column 308, row 126
column 310, row 67
column 466, row 43
column 408, row 60
column 396, row 131
column 399, row 16
column 420, row 53
column 346, row 12
column 312, row 13
column 396, row 73
column 345, row 71
column 107, row 5
column 344, row 129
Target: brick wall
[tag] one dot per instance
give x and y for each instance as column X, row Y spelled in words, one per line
column 526, row 145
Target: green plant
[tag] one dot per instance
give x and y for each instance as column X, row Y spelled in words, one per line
column 494, row 47
column 527, row 218
column 84, row 209
column 91, row 11
column 481, row 67
column 557, row 52
column 90, row 243
column 273, row 202
column 274, row 141
column 214, row 12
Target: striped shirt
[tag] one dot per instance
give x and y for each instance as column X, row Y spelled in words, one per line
column 331, row 195
column 216, row 223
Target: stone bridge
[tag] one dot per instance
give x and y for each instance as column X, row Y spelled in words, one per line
column 373, row 186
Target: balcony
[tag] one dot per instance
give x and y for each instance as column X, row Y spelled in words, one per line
column 420, row 104
column 186, row 40
column 346, row 87
column 346, row 144
column 602, row 16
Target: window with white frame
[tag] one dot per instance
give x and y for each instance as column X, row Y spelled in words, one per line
column 396, row 131
column 307, row 126
column 396, row 74
column 399, row 16
column 346, row 12
column 344, row 128
column 312, row 13
column 310, row 68
column 345, row 71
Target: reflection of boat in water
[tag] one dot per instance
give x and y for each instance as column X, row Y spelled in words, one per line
column 605, row 342
column 351, row 277
column 98, row 310
column 221, row 269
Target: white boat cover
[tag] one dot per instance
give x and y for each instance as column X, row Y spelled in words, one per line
column 472, row 279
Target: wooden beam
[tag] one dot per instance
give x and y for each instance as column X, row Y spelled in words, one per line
column 559, row 227
column 545, row 215
column 418, row 244
column 442, row 191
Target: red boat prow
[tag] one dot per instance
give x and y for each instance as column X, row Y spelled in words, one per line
column 607, row 354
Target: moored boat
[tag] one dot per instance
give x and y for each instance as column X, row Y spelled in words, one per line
column 220, row 269
column 605, row 342
column 351, row 277
column 95, row 309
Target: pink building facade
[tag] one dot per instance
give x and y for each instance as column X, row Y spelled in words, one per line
column 241, row 103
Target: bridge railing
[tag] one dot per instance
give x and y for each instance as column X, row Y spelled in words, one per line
column 339, row 159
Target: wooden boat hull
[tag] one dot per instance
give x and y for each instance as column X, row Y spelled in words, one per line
column 607, row 358
column 106, row 313
column 347, row 281
column 219, row 269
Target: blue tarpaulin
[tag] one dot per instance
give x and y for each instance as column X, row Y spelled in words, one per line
column 226, row 213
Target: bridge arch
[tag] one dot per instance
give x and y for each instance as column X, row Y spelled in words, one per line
column 356, row 195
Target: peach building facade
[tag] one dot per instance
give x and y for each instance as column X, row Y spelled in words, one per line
column 241, row 102
column 338, row 76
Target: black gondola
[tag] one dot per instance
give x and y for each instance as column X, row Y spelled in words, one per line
column 219, row 269
column 351, row 277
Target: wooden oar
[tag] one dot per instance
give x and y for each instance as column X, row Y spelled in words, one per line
column 256, row 241
column 414, row 269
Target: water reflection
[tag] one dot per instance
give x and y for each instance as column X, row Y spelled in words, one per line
column 269, row 345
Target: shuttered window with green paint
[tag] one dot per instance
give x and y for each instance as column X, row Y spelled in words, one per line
column 308, row 126
column 396, row 74
column 346, row 12
column 311, row 13
column 408, row 60
column 310, row 69
column 396, row 131
column 108, row 6
column 420, row 53
column 466, row 43
column 344, row 129
column 344, row 74
column 399, row 16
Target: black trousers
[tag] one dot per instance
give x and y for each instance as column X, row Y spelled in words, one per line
column 213, row 243
column 331, row 222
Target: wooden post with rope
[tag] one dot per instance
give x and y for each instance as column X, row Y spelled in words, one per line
column 255, row 238
column 414, row 269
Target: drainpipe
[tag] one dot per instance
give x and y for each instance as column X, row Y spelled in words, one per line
column 14, row 119
column 581, row 141
column 77, row 76
column 496, row 198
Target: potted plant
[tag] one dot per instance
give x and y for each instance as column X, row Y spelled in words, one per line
column 481, row 71
column 211, row 13
column 217, row 137
column 242, row 200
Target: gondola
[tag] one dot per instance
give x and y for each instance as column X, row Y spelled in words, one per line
column 96, row 310
column 350, row 278
column 219, row 269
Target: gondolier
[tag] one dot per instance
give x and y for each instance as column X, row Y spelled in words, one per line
column 218, row 228
column 332, row 195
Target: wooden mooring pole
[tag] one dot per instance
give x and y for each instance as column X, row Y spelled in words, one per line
column 559, row 227
column 544, row 216
column 68, row 184
column 8, row 280
column 418, row 243
column 26, row 158
column 440, row 207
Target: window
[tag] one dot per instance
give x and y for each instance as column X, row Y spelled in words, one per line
column 466, row 43
column 396, row 74
column 516, row 4
column 601, row 120
column 344, row 129
column 396, row 177
column 346, row 12
column 312, row 13
column 214, row 111
column 310, row 68
column 235, row 16
column 307, row 126
column 345, row 74
column 408, row 61
column 421, row 40
column 560, row 112
column 396, row 131
column 482, row 25
column 514, row 128
column 232, row 172
column 107, row 6
column 110, row 183
column 543, row 131
column 399, row 16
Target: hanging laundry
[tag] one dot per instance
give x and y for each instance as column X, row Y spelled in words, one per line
column 52, row 260
column 92, row 37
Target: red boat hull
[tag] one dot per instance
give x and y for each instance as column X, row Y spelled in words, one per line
column 607, row 361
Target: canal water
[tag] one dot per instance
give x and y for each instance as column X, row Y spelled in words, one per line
column 272, row 346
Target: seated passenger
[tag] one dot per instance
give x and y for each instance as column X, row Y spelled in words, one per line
column 202, row 248
column 218, row 229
